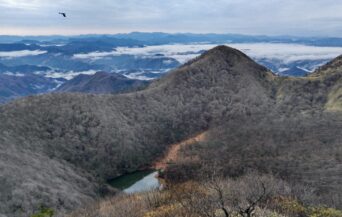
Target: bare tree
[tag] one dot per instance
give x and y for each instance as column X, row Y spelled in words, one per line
column 221, row 194
column 252, row 191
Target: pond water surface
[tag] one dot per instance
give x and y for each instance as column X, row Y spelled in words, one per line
column 136, row 182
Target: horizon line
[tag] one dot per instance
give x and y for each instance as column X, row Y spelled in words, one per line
column 161, row 32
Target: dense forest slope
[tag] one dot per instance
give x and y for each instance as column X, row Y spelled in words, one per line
column 59, row 149
column 299, row 139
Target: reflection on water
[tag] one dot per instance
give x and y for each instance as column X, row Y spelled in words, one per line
column 147, row 183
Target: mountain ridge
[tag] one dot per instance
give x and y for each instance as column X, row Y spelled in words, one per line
column 335, row 64
column 101, row 82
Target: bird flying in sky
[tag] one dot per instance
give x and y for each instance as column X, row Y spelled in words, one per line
column 63, row 14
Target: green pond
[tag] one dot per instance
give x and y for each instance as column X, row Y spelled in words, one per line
column 138, row 181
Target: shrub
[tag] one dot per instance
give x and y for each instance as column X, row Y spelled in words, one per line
column 324, row 212
column 44, row 212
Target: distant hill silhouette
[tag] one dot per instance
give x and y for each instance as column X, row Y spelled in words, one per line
column 101, row 82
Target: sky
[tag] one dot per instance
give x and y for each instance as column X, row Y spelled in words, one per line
column 252, row 17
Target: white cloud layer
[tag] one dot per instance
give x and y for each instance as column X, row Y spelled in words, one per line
column 285, row 53
column 288, row 53
column 139, row 76
column 68, row 75
column 21, row 53
column 14, row 74
column 180, row 52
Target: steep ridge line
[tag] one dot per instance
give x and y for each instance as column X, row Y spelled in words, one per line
column 172, row 153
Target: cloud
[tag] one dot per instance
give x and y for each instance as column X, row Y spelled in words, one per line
column 297, row 17
column 95, row 55
column 138, row 76
column 68, row 75
column 20, row 4
column 21, row 53
column 285, row 53
column 288, row 53
column 14, row 74
column 180, row 52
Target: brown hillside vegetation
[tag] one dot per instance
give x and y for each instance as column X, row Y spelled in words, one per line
column 58, row 150
column 172, row 154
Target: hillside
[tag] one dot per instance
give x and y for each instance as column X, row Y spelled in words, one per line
column 101, row 82
column 12, row 86
column 85, row 140
column 331, row 72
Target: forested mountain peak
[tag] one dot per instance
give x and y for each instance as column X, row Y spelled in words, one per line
column 219, row 65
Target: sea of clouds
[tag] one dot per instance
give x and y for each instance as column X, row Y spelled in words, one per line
column 285, row 53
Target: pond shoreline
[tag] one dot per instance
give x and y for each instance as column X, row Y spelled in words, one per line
column 149, row 179
column 125, row 181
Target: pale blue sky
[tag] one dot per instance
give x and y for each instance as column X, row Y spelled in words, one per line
column 268, row 17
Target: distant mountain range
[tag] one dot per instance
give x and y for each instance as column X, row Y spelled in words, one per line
column 23, row 69
column 147, row 56
column 157, row 38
